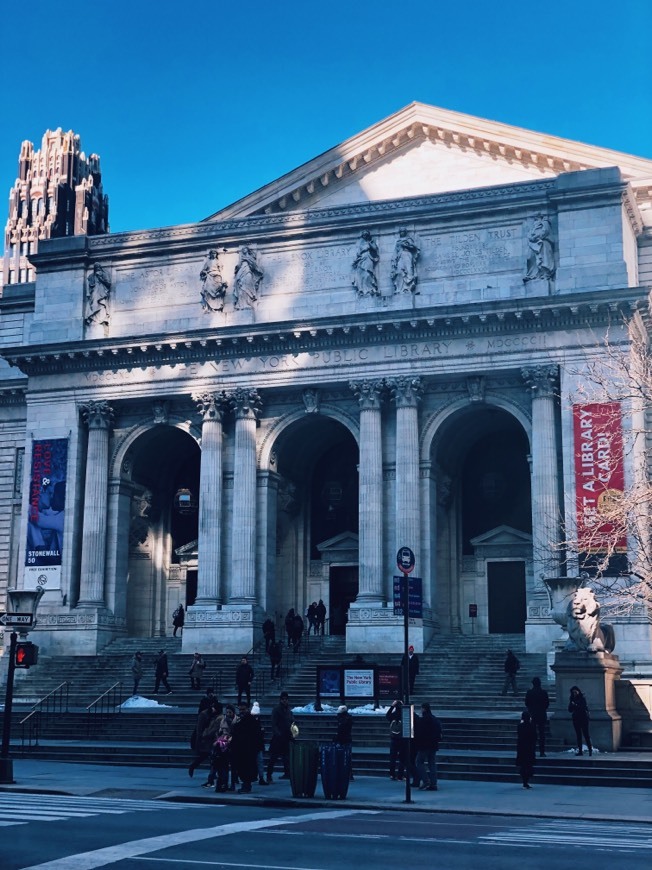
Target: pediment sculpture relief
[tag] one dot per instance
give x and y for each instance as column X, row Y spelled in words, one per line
column 248, row 276
column 98, row 297
column 404, row 263
column 213, row 289
column 364, row 266
column 541, row 258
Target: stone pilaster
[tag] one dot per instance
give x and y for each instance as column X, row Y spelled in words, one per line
column 370, row 558
column 209, row 543
column 406, row 392
column 98, row 417
column 542, row 382
column 246, row 404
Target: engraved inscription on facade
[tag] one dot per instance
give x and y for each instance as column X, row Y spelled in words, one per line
column 473, row 252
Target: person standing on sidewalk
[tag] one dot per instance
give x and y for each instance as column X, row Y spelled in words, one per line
column 137, row 669
column 279, row 747
column 579, row 710
column 427, row 737
column 511, row 668
column 396, row 742
column 245, row 739
column 526, row 748
column 206, row 731
column 161, row 672
column 344, row 728
column 537, row 703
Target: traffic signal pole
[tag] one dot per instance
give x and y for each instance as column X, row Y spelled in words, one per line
column 6, row 764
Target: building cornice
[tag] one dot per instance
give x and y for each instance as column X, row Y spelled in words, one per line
column 549, row 313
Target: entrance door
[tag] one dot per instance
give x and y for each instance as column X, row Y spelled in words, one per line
column 506, row 592
column 343, row 592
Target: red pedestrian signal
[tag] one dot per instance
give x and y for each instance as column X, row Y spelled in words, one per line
column 26, row 654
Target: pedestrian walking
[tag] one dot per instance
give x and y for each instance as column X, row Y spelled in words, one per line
column 137, row 669
column 413, row 667
column 260, row 754
column 220, row 757
column 289, row 625
column 396, row 742
column 511, row 668
column 311, row 615
column 161, row 672
column 244, row 675
column 537, row 703
column 526, row 746
column 297, row 632
column 275, row 657
column 344, row 729
column 427, row 737
column 579, row 710
column 205, row 733
column 245, row 742
column 279, row 747
column 196, row 671
column 321, row 616
column 269, row 633
column 209, row 699
column 178, row 619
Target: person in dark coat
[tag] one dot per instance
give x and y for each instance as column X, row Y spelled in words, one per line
column 244, row 675
column 511, row 668
column 207, row 701
column 396, row 742
column 297, row 632
column 311, row 614
column 269, row 633
column 579, row 711
column 289, row 625
column 137, row 669
column 178, row 619
column 537, row 703
column 526, row 748
column 275, row 656
column 245, row 740
column 161, row 672
column 196, row 670
column 221, row 752
column 205, row 732
column 344, row 728
column 279, row 746
column 321, row 616
column 427, row 737
column 413, row 667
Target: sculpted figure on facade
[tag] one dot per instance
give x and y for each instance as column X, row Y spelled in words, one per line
column 404, row 263
column 311, row 400
column 141, row 505
column 364, row 266
column 98, row 295
column 541, row 259
column 585, row 632
column 248, row 276
column 160, row 412
column 213, row 287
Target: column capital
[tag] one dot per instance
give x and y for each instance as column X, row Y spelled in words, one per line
column 97, row 415
column 542, row 381
column 368, row 393
column 210, row 406
column 245, row 403
column 406, row 392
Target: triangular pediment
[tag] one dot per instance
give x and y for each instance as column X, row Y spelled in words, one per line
column 190, row 549
column 501, row 536
column 345, row 541
column 424, row 150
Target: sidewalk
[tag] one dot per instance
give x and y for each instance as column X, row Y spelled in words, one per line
column 552, row 801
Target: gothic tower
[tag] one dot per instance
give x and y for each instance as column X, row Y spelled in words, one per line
column 58, row 192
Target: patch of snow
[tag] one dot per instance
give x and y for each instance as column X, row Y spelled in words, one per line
column 137, row 701
column 365, row 710
column 585, row 750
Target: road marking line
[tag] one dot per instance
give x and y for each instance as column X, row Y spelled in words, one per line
column 136, row 848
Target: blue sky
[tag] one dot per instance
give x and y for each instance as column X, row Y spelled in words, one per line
column 193, row 104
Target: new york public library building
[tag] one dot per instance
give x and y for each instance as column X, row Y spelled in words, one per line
column 385, row 347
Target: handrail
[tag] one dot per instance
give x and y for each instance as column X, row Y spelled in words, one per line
column 108, row 704
column 49, row 704
column 103, row 695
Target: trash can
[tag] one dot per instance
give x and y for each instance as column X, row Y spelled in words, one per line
column 335, row 762
column 304, row 764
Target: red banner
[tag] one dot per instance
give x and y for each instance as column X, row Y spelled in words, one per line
column 599, row 477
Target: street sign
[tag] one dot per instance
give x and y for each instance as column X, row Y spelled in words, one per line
column 23, row 619
column 415, row 597
column 405, row 560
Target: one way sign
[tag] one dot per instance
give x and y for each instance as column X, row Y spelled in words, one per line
column 24, row 619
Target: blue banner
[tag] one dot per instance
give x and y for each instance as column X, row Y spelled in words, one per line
column 46, row 513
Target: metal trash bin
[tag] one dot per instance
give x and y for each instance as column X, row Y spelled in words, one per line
column 335, row 764
column 304, row 765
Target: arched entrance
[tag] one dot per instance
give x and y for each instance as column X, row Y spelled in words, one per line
column 484, row 521
column 317, row 519
column 162, row 521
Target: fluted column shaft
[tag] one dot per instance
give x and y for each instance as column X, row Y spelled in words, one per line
column 546, row 540
column 209, row 543
column 246, row 404
column 98, row 416
column 406, row 392
column 370, row 554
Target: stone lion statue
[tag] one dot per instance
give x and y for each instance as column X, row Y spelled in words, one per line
column 585, row 632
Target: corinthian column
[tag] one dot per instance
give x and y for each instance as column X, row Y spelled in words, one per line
column 542, row 382
column 370, row 496
column 406, row 392
column 246, row 404
column 209, row 543
column 98, row 416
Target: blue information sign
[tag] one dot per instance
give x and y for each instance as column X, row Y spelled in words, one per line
column 415, row 597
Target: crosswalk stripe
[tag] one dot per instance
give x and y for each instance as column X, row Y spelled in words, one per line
column 17, row 808
column 626, row 838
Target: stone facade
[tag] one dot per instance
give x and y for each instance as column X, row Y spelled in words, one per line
column 381, row 349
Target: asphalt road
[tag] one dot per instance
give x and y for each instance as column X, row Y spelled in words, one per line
column 81, row 833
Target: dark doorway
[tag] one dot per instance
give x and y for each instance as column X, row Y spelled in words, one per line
column 343, row 592
column 506, row 591
column 191, row 587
